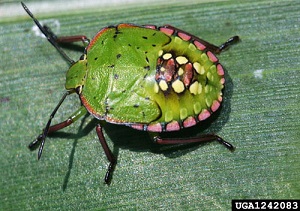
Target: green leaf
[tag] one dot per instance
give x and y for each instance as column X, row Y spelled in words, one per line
column 260, row 113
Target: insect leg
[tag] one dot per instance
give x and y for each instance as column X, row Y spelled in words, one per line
column 231, row 41
column 40, row 140
column 203, row 138
column 111, row 158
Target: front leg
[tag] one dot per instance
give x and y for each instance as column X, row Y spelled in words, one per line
column 40, row 140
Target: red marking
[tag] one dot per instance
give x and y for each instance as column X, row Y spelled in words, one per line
column 112, row 120
column 168, row 73
column 173, row 126
column 190, row 121
column 102, row 31
column 220, row 70
column 188, row 74
column 216, row 104
column 184, row 36
column 170, row 70
column 212, row 56
column 204, row 115
column 137, row 126
column 94, row 40
column 89, row 108
column 199, row 45
column 155, row 128
column 98, row 115
column 126, row 25
column 167, row 31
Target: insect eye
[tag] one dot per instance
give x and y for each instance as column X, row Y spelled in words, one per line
column 82, row 57
column 78, row 89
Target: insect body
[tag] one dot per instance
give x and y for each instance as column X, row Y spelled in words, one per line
column 156, row 79
column 147, row 79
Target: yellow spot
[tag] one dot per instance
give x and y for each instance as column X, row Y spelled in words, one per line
column 197, row 108
column 156, row 88
column 183, row 113
column 178, row 86
column 199, row 88
column 177, row 40
column 209, row 76
column 213, row 68
column 167, row 56
column 204, row 57
column 160, row 53
column 192, row 47
column 181, row 60
column 194, row 88
column 162, row 69
column 208, row 88
column 180, row 71
column 168, row 116
column 199, row 68
column 208, row 101
column 163, row 85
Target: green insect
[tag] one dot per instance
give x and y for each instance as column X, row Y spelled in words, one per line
column 155, row 79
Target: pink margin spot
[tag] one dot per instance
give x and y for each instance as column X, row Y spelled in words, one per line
column 184, row 36
column 154, row 127
column 216, row 104
column 150, row 26
column 220, row 99
column 220, row 69
column 199, row 45
column 204, row 115
column 167, row 31
column 137, row 126
column 173, row 126
column 222, row 81
column 212, row 56
column 189, row 122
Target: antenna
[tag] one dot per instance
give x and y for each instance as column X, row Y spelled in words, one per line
column 51, row 37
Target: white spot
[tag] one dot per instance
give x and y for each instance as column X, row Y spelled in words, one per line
column 178, row 86
column 53, row 24
column 163, row 85
column 160, row 53
column 167, row 56
column 258, row 73
column 181, row 60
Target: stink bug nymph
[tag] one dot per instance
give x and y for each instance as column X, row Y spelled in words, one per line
column 155, row 79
